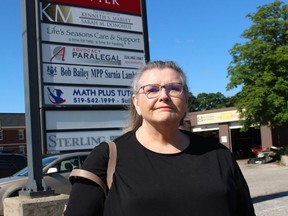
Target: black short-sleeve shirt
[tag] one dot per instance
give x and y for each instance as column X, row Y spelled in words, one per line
column 202, row 180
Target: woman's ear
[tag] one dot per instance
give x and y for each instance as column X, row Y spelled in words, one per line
column 135, row 103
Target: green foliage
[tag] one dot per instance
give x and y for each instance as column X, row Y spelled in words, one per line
column 260, row 66
column 231, row 101
column 192, row 103
column 209, row 101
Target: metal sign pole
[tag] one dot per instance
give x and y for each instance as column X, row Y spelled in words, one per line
column 35, row 185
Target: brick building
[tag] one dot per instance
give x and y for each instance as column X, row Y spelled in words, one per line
column 12, row 132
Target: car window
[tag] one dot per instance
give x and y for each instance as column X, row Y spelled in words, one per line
column 67, row 165
column 48, row 160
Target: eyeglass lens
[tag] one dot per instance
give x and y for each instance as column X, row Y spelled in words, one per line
column 154, row 90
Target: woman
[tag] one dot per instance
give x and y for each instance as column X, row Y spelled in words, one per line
column 162, row 170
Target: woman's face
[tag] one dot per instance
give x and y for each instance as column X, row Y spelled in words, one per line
column 164, row 108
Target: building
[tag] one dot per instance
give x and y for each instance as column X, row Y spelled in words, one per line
column 224, row 124
column 12, row 132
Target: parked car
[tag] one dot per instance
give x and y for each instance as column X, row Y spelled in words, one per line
column 266, row 155
column 11, row 163
column 56, row 171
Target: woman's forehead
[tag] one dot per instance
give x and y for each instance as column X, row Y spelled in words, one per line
column 159, row 75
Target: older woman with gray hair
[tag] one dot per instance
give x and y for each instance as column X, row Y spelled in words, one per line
column 162, row 170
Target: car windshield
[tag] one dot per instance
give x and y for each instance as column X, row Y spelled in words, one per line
column 45, row 162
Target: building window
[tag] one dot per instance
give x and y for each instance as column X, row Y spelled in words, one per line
column 1, row 134
column 22, row 149
column 21, row 134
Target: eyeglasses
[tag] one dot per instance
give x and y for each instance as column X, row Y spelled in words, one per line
column 154, row 90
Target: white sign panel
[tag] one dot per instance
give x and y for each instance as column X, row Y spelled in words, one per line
column 89, row 17
column 91, row 56
column 79, row 140
column 67, row 95
column 100, row 119
column 55, row 73
column 92, row 37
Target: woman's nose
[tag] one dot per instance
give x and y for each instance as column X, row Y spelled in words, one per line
column 163, row 94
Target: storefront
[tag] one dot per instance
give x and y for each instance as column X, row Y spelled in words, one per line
column 224, row 125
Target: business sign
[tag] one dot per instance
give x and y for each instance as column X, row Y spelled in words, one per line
column 73, row 74
column 125, row 6
column 83, row 55
column 91, row 56
column 89, row 17
column 86, row 119
column 79, row 140
column 91, row 37
column 72, row 95
column 218, row 117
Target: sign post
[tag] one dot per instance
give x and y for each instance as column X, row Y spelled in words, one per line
column 35, row 186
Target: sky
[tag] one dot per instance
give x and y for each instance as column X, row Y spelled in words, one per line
column 197, row 35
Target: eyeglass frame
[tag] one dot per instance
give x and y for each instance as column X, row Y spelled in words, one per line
column 161, row 86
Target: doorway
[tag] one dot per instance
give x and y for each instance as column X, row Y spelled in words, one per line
column 244, row 142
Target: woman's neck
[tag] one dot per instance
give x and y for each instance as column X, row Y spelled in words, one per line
column 162, row 139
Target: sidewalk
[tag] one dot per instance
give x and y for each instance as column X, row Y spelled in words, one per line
column 268, row 185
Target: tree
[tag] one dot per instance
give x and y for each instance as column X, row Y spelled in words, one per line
column 209, row 101
column 192, row 103
column 231, row 101
column 260, row 66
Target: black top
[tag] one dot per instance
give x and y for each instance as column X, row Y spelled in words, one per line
column 202, row 180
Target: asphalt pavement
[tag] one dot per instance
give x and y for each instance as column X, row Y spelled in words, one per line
column 268, row 184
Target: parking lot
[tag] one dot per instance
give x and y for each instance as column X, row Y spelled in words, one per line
column 268, row 185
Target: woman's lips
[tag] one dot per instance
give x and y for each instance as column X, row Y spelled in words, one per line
column 163, row 107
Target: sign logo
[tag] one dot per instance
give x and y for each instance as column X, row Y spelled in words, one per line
column 59, row 53
column 51, row 71
column 56, row 13
column 55, row 96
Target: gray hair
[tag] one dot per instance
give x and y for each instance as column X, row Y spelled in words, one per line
column 135, row 121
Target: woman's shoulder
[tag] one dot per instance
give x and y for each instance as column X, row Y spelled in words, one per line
column 98, row 155
column 205, row 144
column 102, row 150
column 210, row 147
column 125, row 139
